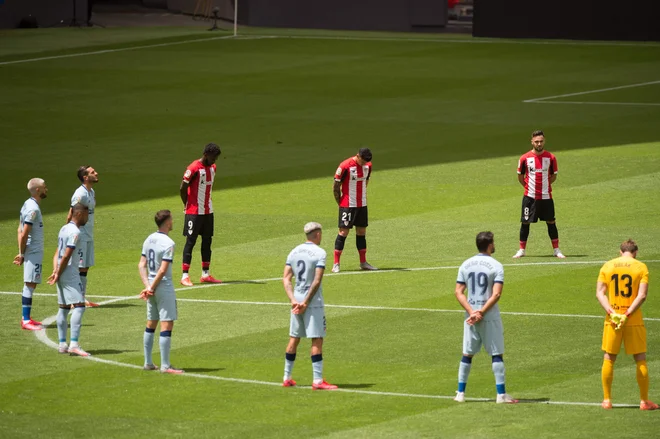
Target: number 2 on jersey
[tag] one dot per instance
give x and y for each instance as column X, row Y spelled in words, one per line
column 481, row 280
column 301, row 274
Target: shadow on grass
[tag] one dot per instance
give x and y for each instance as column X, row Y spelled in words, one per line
column 54, row 326
column 118, row 305
column 203, row 369
column 533, row 400
column 235, row 282
column 552, row 256
column 108, row 351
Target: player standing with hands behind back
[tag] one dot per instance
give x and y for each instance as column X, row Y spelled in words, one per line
column 195, row 193
column 350, row 191
column 537, row 170
column 621, row 290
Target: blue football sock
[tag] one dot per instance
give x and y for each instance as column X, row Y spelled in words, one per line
column 148, row 345
column 464, row 368
column 27, row 302
column 62, row 325
column 498, row 371
column 76, row 323
column 165, row 343
column 317, row 367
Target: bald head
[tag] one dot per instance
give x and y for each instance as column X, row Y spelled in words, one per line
column 37, row 188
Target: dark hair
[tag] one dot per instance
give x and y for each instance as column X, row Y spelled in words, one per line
column 212, row 150
column 162, row 216
column 82, row 172
column 629, row 246
column 78, row 207
column 537, row 133
column 365, row 153
column 484, row 239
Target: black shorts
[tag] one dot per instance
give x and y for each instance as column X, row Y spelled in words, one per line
column 353, row 216
column 534, row 210
column 198, row 225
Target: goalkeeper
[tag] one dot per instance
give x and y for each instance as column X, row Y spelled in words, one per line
column 621, row 290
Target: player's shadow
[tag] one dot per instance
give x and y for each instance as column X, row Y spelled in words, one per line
column 118, row 305
column 355, row 386
column 203, row 369
column 54, row 325
column 108, row 351
column 568, row 256
column 533, row 400
column 241, row 281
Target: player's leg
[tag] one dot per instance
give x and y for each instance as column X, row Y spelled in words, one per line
column 361, row 224
column 634, row 339
column 492, row 334
column 150, row 333
column 471, row 346
column 190, row 231
column 32, row 266
column 167, row 311
column 547, row 214
column 526, row 216
column 315, row 328
column 611, row 345
column 290, row 356
column 207, row 240
column 344, row 224
column 62, row 323
column 86, row 254
column 76, row 325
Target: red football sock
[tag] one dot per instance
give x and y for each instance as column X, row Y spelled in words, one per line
column 185, row 267
column 337, row 256
column 206, row 265
column 523, row 245
column 363, row 255
column 555, row 243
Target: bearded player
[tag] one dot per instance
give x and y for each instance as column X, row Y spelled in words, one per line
column 537, row 171
column 350, row 191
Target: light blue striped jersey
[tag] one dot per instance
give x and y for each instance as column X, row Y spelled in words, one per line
column 304, row 260
column 158, row 247
column 31, row 214
column 479, row 273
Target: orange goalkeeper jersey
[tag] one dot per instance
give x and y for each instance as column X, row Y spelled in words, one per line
column 623, row 277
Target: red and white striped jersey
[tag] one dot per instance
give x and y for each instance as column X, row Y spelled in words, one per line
column 353, row 179
column 200, row 180
column 537, row 170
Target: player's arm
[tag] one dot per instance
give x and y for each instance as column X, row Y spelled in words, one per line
column 336, row 190
column 183, row 191
column 316, row 283
column 521, row 179
column 164, row 265
column 553, row 169
column 144, row 275
column 59, row 269
column 22, row 242
column 639, row 300
column 494, row 298
column 552, row 178
column 287, row 282
column 601, row 295
column 460, row 296
column 69, row 215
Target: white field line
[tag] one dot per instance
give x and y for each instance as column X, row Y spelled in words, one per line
column 467, row 41
column 302, row 37
column 600, row 90
column 124, row 49
column 634, row 104
column 43, row 337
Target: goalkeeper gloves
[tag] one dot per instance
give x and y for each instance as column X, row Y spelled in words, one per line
column 618, row 320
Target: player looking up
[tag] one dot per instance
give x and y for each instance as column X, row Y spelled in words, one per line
column 307, row 263
column 70, row 293
column 350, row 191
column 86, row 196
column 483, row 278
column 621, row 290
column 156, row 273
column 31, row 248
column 537, row 171
column 195, row 191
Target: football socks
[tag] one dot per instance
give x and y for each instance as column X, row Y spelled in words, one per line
column 464, row 372
column 165, row 343
column 83, row 282
column 289, row 360
column 149, row 335
column 76, row 323
column 498, row 371
column 607, row 376
column 643, row 380
column 62, row 314
column 317, row 367
column 27, row 302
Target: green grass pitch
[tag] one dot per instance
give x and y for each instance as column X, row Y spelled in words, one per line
column 446, row 121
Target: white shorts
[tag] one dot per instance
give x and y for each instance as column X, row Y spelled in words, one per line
column 69, row 294
column 32, row 267
column 489, row 333
column 86, row 253
column 311, row 324
column 162, row 305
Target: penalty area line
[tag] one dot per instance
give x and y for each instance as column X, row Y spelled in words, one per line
column 43, row 338
column 600, row 90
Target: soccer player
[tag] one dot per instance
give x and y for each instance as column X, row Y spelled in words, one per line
column 156, row 272
column 307, row 263
column 70, row 292
column 195, row 193
column 350, row 190
column 31, row 248
column 621, row 290
column 483, row 278
column 86, row 196
column 537, row 171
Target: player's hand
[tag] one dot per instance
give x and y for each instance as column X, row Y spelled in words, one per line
column 18, row 260
column 301, row 308
column 145, row 294
column 618, row 320
column 53, row 278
